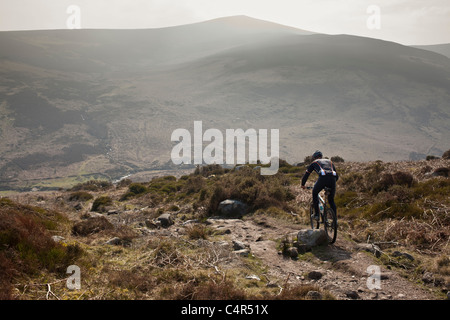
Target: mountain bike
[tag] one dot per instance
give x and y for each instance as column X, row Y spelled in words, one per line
column 327, row 215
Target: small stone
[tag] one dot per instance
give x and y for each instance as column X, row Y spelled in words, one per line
column 114, row 241
column 370, row 248
column 58, row 238
column 243, row 252
column 428, row 278
column 315, row 275
column 352, row 294
column 149, row 224
column 292, row 252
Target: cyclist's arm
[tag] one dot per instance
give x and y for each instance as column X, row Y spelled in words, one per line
column 307, row 173
column 337, row 175
column 305, row 178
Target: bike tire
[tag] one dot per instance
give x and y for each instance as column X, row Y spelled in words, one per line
column 330, row 224
column 315, row 224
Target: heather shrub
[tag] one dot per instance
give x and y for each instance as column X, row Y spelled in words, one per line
column 93, row 185
column 80, row 196
column 101, row 203
column 446, row 154
column 26, row 245
column 91, row 226
column 250, row 187
column 387, row 180
column 442, row 171
column 337, row 159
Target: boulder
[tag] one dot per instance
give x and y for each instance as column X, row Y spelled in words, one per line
column 311, row 237
column 238, row 245
column 165, row 219
column 232, row 208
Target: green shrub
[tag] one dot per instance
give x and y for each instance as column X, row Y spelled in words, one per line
column 436, row 189
column 166, row 185
column 197, row 231
column 80, row 196
column 388, row 180
column 253, row 189
column 344, row 198
column 392, row 209
column 91, row 226
column 337, row 159
column 137, row 188
column 93, row 185
column 446, row 154
column 26, row 246
column 134, row 189
column 193, row 184
column 101, row 203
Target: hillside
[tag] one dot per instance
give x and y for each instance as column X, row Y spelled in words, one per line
column 166, row 238
column 77, row 105
column 443, row 49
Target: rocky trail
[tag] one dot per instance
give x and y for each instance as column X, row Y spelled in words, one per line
column 341, row 268
column 346, row 269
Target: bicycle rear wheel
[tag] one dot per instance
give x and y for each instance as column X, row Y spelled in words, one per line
column 330, row 224
column 314, row 223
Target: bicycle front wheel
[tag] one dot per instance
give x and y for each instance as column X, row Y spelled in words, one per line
column 330, row 223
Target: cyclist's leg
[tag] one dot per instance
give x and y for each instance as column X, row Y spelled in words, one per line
column 318, row 186
column 332, row 185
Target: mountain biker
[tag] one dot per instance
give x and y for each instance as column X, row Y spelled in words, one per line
column 327, row 178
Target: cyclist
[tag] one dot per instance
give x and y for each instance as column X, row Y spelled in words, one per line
column 327, row 178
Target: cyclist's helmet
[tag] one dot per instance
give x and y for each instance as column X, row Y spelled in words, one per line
column 317, row 155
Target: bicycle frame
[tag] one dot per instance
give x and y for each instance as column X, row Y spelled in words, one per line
column 329, row 222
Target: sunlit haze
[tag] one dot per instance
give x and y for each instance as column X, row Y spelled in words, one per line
column 412, row 22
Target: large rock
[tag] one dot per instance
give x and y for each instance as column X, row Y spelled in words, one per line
column 166, row 220
column 311, row 237
column 238, row 245
column 232, row 208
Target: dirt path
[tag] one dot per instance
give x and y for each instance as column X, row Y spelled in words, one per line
column 341, row 268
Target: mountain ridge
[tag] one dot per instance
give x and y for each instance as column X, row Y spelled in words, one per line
column 110, row 100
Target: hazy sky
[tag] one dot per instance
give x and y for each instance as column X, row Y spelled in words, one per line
column 403, row 21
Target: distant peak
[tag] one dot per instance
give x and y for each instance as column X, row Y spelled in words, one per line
column 246, row 22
